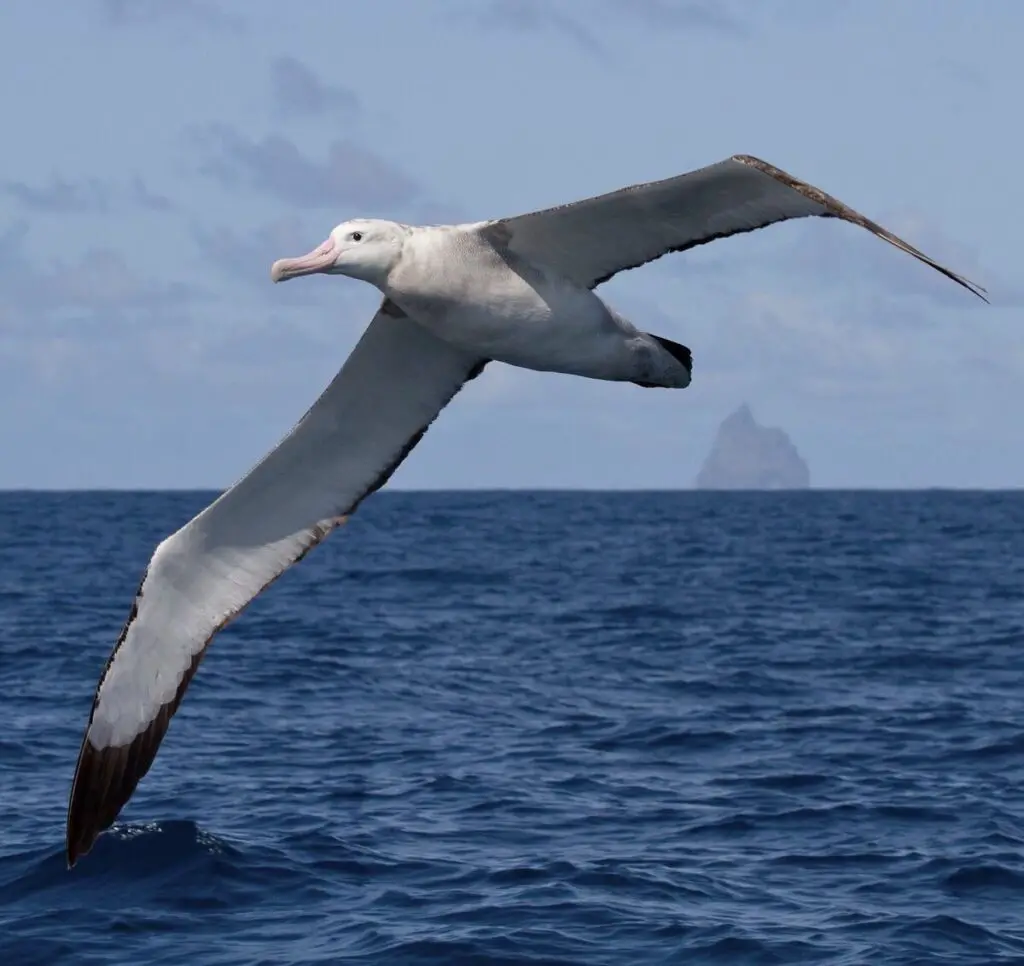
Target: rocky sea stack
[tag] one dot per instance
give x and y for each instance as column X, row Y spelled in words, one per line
column 748, row 456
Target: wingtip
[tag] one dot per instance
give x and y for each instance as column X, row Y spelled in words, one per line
column 74, row 848
column 91, row 807
column 839, row 210
column 973, row 287
column 76, row 844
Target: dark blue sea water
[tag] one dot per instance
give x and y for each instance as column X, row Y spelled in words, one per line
column 540, row 728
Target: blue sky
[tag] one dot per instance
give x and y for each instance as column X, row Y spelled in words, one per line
column 159, row 156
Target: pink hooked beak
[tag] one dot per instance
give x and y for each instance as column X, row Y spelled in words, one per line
column 319, row 259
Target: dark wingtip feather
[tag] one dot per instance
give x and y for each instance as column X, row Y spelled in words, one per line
column 94, row 797
column 105, row 778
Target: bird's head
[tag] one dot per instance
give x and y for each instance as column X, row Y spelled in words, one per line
column 364, row 248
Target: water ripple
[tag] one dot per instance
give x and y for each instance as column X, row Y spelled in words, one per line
column 541, row 729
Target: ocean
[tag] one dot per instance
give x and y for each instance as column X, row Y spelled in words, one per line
column 540, row 728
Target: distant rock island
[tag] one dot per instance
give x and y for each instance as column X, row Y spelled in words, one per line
column 748, row 456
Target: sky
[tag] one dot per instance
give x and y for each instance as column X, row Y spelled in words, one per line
column 157, row 157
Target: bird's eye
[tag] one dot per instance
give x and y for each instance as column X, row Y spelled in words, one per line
column 357, row 236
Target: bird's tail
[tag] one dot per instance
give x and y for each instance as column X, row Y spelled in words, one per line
column 678, row 352
column 675, row 349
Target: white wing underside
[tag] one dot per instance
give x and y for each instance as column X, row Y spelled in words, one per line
column 395, row 382
column 590, row 241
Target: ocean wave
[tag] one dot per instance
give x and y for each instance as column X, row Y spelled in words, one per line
column 540, row 729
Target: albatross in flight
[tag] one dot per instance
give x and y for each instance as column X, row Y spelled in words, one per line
column 515, row 290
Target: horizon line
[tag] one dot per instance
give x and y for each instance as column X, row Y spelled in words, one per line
column 543, row 489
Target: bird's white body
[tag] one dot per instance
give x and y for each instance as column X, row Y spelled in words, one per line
column 516, row 290
column 455, row 283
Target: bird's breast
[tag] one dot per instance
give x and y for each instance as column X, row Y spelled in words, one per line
column 497, row 306
column 508, row 318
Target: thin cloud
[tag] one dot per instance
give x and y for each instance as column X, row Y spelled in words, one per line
column 573, row 21
column 144, row 197
column 814, row 347
column 681, row 15
column 145, row 13
column 966, row 75
column 59, row 195
column 98, row 284
column 243, row 258
column 349, row 176
column 296, row 90
column 87, row 319
column 530, row 16
column 86, row 196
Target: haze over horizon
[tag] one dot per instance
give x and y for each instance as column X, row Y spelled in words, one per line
column 159, row 157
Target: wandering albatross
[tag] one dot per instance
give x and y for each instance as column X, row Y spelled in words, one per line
column 516, row 290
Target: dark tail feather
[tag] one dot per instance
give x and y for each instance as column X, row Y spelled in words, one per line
column 680, row 352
